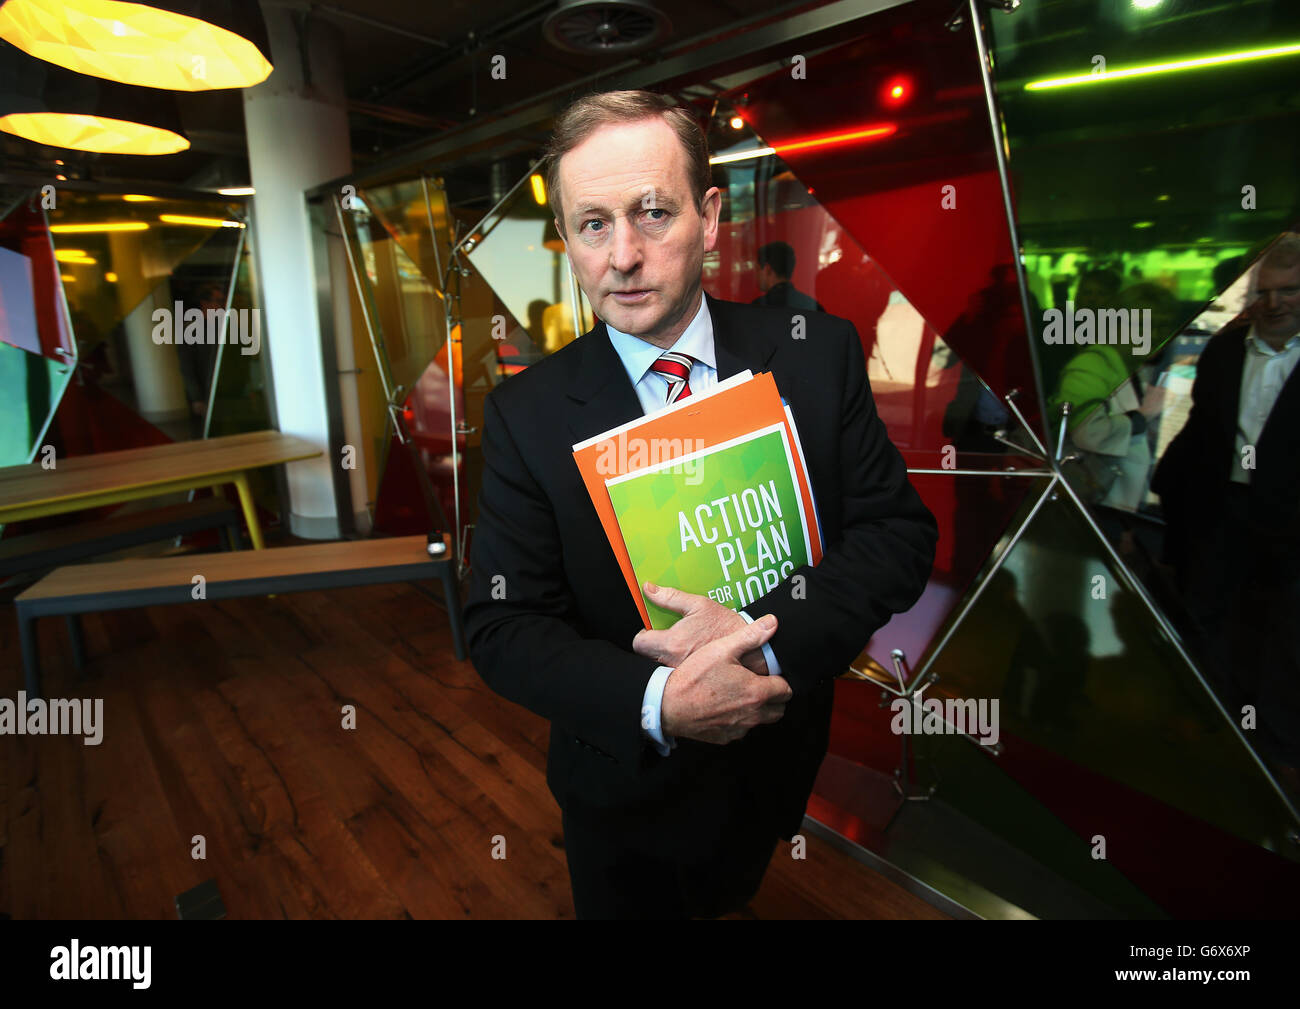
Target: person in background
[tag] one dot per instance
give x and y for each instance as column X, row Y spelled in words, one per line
column 1229, row 484
column 775, row 268
column 196, row 360
column 1113, row 405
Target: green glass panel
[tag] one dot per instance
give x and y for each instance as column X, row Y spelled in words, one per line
column 32, row 386
column 38, row 351
column 1150, row 144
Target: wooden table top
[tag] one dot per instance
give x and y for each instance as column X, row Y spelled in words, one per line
column 109, row 472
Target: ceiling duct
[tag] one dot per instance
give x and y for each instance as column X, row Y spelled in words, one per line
column 616, row 27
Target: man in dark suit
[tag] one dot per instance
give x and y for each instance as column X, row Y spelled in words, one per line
column 1229, row 484
column 677, row 757
column 775, row 280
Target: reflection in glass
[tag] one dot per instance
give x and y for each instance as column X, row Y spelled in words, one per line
column 869, row 190
column 1103, row 731
column 133, row 359
column 1140, row 187
column 888, row 140
column 37, row 352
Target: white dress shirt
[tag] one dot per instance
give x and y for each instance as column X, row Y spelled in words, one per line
column 1263, row 373
column 652, row 390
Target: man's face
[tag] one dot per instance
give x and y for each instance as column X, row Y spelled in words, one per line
column 767, row 277
column 633, row 234
column 1276, row 310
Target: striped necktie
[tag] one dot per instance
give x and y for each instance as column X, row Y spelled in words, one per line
column 676, row 369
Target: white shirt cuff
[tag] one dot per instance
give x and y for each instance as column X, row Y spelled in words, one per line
column 769, row 656
column 650, row 709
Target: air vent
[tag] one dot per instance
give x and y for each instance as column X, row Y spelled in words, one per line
column 617, row 27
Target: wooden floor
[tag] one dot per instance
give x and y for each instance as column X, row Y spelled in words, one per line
column 223, row 720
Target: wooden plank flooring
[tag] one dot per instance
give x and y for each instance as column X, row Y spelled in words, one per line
column 223, row 720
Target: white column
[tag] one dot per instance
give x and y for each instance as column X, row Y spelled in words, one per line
column 297, row 138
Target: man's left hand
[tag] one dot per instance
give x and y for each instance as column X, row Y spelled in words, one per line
column 703, row 621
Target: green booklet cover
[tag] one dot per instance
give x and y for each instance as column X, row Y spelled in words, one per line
column 725, row 522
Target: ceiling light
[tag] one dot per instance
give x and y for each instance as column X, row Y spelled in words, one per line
column 1195, row 63
column 237, row 191
column 756, row 152
column 199, row 222
column 58, row 108
column 539, row 189
column 92, row 133
column 896, row 91
column 138, row 198
column 102, row 226
column 869, row 133
column 185, row 45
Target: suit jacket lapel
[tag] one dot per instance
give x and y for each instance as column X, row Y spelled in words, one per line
column 737, row 347
column 1231, row 398
column 601, row 396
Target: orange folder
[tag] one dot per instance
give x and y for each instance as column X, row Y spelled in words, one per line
column 737, row 406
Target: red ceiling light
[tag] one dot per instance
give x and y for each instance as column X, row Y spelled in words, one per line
column 877, row 131
column 896, row 91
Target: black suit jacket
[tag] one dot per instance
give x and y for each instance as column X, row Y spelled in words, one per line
column 786, row 295
column 550, row 620
column 1192, row 478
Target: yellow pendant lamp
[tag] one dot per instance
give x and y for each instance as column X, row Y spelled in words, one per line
column 100, row 134
column 187, row 45
column 48, row 105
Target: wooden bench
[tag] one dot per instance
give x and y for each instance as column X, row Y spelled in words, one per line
column 53, row 547
column 115, row 585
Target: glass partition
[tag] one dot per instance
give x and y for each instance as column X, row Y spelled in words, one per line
column 114, row 328
column 869, row 187
column 1149, row 152
column 426, row 257
column 37, row 351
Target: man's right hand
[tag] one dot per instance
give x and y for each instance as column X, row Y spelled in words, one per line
column 712, row 697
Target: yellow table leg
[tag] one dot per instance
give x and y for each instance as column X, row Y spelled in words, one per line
column 250, row 509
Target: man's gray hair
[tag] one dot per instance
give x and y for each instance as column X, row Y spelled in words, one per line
column 586, row 115
column 1282, row 254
